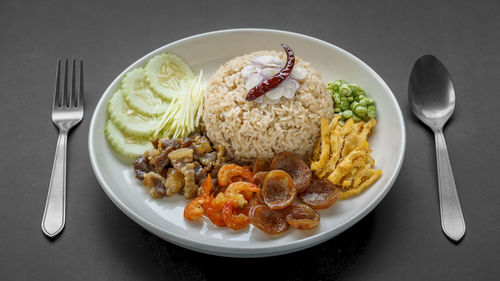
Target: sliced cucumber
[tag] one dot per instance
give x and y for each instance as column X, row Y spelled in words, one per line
column 139, row 96
column 168, row 75
column 127, row 145
column 128, row 120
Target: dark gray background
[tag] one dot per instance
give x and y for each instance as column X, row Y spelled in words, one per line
column 400, row 240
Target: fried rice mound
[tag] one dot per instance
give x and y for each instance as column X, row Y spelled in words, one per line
column 249, row 129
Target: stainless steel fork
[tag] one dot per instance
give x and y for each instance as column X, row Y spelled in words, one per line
column 67, row 112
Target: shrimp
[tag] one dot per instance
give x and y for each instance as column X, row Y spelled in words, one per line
column 207, row 187
column 194, row 210
column 213, row 213
column 240, row 192
column 228, row 173
column 234, row 221
column 247, row 168
column 243, row 188
column 220, row 210
column 219, row 201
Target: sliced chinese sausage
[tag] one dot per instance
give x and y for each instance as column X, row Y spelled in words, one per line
column 258, row 178
column 258, row 196
column 278, row 190
column 255, row 200
column 267, row 220
column 302, row 216
column 295, row 167
column 321, row 194
column 261, row 165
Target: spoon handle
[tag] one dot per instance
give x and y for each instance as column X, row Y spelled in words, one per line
column 452, row 220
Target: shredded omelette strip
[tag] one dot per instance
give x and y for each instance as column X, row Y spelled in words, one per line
column 342, row 155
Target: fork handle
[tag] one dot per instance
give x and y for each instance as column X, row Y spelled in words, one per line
column 55, row 206
column 452, row 220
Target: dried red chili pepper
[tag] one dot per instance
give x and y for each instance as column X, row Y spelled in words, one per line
column 276, row 79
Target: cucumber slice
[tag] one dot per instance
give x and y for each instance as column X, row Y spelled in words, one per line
column 139, row 96
column 127, row 145
column 168, row 75
column 128, row 120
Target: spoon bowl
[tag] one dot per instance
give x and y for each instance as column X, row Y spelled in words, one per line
column 431, row 92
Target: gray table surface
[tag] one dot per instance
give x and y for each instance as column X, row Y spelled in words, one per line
column 400, row 240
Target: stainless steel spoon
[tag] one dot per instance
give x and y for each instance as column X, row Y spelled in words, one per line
column 432, row 99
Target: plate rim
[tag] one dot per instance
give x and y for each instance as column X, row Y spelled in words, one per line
column 259, row 251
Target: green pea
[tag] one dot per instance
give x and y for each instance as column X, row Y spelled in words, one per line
column 354, row 88
column 341, row 123
column 353, row 105
column 360, row 97
column 344, row 105
column 347, row 114
column 363, row 102
column 336, row 97
column 332, row 89
column 350, row 101
column 360, row 110
column 334, row 85
column 372, row 111
column 345, row 90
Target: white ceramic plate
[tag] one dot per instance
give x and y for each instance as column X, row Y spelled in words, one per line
column 208, row 51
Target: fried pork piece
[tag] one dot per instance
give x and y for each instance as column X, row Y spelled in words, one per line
column 156, row 184
column 200, row 172
column 221, row 155
column 179, row 165
column 174, row 181
column 182, row 160
column 175, row 143
column 201, row 145
column 190, row 187
column 219, row 161
column 160, row 161
column 207, row 159
column 142, row 167
column 181, row 156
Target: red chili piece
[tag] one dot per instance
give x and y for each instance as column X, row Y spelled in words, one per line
column 276, row 79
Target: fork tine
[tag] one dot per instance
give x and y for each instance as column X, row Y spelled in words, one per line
column 57, row 92
column 72, row 98
column 79, row 99
column 65, row 92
